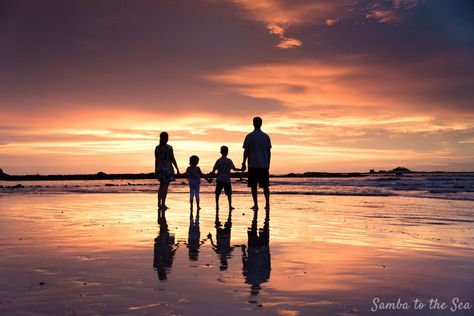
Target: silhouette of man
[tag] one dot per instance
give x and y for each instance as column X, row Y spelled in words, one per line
column 257, row 147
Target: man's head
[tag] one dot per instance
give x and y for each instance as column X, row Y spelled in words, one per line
column 257, row 122
column 224, row 150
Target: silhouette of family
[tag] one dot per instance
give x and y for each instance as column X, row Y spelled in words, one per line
column 257, row 154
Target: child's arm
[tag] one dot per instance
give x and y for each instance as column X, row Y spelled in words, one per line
column 211, row 174
column 202, row 175
column 234, row 168
column 205, row 176
column 186, row 173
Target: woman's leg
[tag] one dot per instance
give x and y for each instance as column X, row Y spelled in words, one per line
column 164, row 194
column 160, row 195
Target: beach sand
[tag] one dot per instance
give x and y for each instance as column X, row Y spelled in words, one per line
column 106, row 254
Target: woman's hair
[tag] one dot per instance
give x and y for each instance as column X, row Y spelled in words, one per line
column 193, row 160
column 163, row 138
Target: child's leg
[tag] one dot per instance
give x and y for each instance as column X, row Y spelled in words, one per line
column 191, row 195
column 219, row 188
column 228, row 192
column 196, row 192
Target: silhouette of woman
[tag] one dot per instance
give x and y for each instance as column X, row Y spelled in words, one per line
column 164, row 162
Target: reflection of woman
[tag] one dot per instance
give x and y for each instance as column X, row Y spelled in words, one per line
column 164, row 162
column 164, row 248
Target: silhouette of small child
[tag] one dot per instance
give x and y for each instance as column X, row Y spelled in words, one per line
column 194, row 174
column 223, row 166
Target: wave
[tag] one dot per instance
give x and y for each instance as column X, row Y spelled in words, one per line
column 443, row 186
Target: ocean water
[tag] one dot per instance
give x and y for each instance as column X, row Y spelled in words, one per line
column 452, row 186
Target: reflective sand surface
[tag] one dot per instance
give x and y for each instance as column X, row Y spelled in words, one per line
column 310, row 255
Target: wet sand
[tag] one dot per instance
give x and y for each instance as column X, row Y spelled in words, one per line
column 90, row 254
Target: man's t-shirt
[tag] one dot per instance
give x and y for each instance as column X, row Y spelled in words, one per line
column 223, row 166
column 258, row 145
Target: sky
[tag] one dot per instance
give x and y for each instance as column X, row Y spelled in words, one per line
column 341, row 85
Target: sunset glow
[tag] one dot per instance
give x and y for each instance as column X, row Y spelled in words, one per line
column 340, row 85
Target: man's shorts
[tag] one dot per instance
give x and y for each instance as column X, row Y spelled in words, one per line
column 258, row 176
column 223, row 185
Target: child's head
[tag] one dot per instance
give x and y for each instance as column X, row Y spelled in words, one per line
column 224, row 150
column 193, row 160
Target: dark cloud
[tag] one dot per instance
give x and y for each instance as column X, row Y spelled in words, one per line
column 142, row 54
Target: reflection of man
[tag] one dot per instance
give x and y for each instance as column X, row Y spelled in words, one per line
column 164, row 249
column 257, row 147
column 256, row 257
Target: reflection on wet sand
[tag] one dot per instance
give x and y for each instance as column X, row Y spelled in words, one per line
column 223, row 247
column 256, row 256
column 91, row 254
column 194, row 236
column 164, row 248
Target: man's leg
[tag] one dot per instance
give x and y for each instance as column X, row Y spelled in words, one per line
column 266, row 192
column 254, row 196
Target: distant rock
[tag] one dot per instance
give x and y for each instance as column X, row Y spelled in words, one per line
column 401, row 169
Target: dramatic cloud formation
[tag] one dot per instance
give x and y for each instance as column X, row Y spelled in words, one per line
column 342, row 85
column 280, row 15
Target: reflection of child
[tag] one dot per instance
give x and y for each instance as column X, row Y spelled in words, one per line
column 194, row 176
column 223, row 166
column 194, row 237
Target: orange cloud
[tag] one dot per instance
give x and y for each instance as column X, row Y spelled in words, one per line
column 353, row 85
column 393, row 12
column 330, row 22
column 279, row 16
